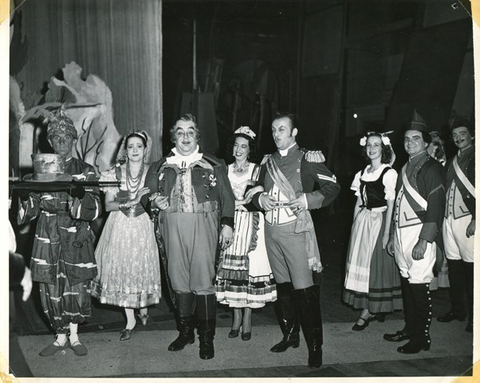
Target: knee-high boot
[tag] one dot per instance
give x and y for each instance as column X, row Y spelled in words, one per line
column 408, row 312
column 287, row 317
column 468, row 267
column 185, row 321
column 308, row 305
column 456, row 291
column 206, row 310
column 423, row 319
column 408, row 307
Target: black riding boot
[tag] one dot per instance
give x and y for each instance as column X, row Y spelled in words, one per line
column 206, row 309
column 423, row 319
column 457, row 292
column 185, row 322
column 408, row 312
column 287, row 317
column 468, row 267
column 308, row 305
column 408, row 307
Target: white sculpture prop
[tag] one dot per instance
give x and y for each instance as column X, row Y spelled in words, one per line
column 89, row 104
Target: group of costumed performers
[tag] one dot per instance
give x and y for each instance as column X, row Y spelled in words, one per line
column 243, row 235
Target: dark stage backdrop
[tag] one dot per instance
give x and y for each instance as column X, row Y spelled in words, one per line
column 119, row 41
column 429, row 76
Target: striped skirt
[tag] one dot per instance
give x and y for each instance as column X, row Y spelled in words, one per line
column 244, row 276
column 384, row 292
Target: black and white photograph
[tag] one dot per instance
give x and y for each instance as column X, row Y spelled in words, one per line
column 239, row 189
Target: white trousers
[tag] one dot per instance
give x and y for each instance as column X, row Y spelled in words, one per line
column 457, row 245
column 420, row 271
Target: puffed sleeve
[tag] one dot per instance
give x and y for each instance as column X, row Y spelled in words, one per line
column 355, row 186
column 390, row 182
column 109, row 175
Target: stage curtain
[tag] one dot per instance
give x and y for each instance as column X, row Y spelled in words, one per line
column 428, row 79
column 118, row 40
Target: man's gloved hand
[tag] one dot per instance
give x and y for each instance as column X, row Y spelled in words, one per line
column 77, row 191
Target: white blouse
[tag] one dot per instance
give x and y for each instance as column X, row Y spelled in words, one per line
column 389, row 180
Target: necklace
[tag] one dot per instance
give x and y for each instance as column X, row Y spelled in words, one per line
column 241, row 168
column 133, row 183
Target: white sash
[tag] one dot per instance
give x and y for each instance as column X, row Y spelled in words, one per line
column 413, row 193
column 463, row 179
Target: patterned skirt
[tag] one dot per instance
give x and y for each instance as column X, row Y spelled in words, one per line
column 128, row 262
column 244, row 277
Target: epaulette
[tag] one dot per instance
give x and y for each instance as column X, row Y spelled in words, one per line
column 314, row 156
column 265, row 159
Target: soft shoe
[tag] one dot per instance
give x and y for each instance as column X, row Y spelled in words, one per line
column 53, row 348
column 79, row 349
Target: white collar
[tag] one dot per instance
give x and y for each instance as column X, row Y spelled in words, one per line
column 284, row 152
column 184, row 161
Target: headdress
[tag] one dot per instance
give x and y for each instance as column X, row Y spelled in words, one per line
column 122, row 152
column 60, row 123
column 385, row 141
column 417, row 123
column 246, row 131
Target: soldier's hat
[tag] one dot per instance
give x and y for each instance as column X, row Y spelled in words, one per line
column 460, row 121
column 417, row 123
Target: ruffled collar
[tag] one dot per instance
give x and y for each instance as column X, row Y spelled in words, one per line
column 184, row 161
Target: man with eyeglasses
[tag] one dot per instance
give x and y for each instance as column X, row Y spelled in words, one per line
column 415, row 233
column 193, row 202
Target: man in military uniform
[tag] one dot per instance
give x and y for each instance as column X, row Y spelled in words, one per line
column 295, row 182
column 192, row 192
column 459, row 223
column 417, row 226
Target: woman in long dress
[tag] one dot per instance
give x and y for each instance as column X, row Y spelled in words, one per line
column 372, row 280
column 244, row 278
column 127, row 253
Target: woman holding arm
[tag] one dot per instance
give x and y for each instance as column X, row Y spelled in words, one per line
column 244, row 279
column 127, row 253
column 372, row 280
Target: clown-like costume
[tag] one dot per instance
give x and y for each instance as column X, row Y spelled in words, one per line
column 63, row 260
